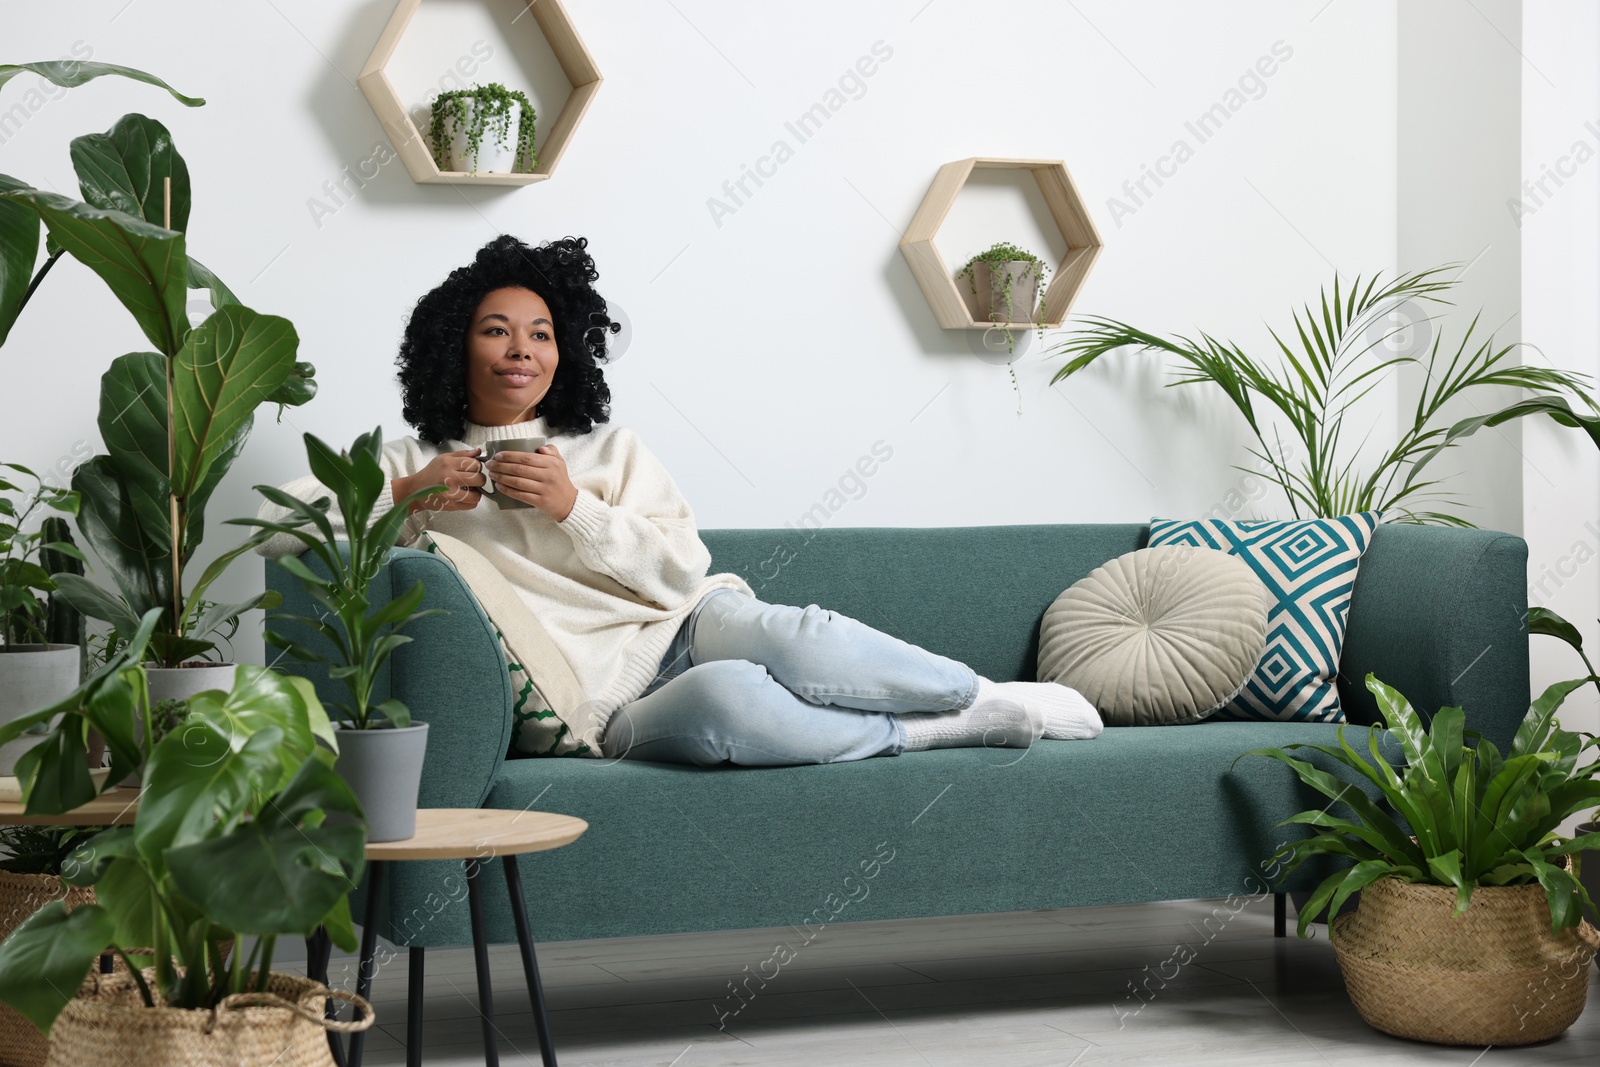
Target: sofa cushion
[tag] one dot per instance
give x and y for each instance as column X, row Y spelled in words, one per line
column 1157, row 637
column 1309, row 566
column 1132, row 815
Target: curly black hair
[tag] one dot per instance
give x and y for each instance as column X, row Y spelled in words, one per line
column 433, row 355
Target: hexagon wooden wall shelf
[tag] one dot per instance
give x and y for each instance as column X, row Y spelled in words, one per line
column 1066, row 208
column 576, row 64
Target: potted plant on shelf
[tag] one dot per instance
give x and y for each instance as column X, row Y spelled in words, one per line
column 380, row 748
column 1470, row 927
column 463, row 118
column 1334, row 356
column 41, row 657
column 173, row 420
column 30, row 878
column 235, row 835
column 1007, row 283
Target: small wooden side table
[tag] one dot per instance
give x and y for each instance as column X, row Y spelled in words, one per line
column 114, row 808
column 472, row 835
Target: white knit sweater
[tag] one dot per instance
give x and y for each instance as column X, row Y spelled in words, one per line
column 597, row 596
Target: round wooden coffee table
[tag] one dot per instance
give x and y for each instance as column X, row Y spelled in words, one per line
column 472, row 835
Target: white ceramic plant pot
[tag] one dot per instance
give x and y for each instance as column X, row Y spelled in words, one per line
column 181, row 683
column 383, row 768
column 491, row 159
column 32, row 677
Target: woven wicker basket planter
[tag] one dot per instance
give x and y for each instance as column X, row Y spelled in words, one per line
column 21, row 1043
column 284, row 1027
column 1491, row 976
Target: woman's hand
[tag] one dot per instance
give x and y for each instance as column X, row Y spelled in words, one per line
column 461, row 473
column 537, row 478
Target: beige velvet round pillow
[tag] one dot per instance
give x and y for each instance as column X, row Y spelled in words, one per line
column 1158, row 637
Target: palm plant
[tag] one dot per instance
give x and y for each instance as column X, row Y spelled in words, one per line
column 1327, row 371
column 1459, row 813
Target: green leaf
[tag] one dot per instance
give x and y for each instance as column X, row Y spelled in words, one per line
column 144, row 265
column 395, row 713
column 1544, row 621
column 133, row 424
column 109, row 524
column 124, row 170
column 19, row 249
column 84, row 596
column 71, row 73
column 46, row 959
column 126, row 891
column 229, row 365
column 298, row 388
column 203, row 779
column 202, row 277
column 284, row 871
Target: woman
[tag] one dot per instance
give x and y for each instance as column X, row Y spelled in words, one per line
column 674, row 665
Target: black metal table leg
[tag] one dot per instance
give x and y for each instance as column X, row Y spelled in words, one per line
column 480, row 955
column 319, row 948
column 530, row 965
column 369, row 951
column 1280, row 914
column 414, row 1009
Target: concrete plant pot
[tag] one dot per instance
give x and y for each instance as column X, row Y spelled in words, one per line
column 990, row 281
column 383, row 767
column 33, row 677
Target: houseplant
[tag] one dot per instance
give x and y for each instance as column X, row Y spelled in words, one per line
column 38, row 665
column 30, row 878
column 1466, row 832
column 1007, row 284
column 234, row 835
column 1327, row 370
column 173, row 420
column 381, row 748
column 462, row 118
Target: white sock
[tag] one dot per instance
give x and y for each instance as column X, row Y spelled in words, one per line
column 1067, row 715
column 994, row 720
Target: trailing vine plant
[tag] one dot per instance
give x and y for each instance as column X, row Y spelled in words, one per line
column 997, row 256
column 477, row 110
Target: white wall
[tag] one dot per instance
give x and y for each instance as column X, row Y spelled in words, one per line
column 1560, row 234
column 774, row 349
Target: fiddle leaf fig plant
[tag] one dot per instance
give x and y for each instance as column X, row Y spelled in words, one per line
column 362, row 642
column 475, row 112
column 1458, row 814
column 233, row 837
column 173, row 419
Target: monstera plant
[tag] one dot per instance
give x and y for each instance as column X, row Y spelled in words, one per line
column 173, row 419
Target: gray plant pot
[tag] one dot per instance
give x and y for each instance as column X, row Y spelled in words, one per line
column 384, row 769
column 990, row 281
column 32, row 677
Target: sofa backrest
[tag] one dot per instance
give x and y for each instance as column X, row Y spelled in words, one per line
column 973, row 593
column 1438, row 613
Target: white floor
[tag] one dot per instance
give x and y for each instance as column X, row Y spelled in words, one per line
column 1024, row 989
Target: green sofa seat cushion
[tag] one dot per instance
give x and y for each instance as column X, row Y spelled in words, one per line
column 1140, row 813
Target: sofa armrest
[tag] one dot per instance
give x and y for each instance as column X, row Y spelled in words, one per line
column 1441, row 615
column 451, row 675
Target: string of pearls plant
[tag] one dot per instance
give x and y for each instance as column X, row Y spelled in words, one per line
column 478, row 110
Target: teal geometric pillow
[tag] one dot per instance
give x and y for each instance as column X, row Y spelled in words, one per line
column 1309, row 567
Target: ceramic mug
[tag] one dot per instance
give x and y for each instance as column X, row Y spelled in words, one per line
column 509, row 444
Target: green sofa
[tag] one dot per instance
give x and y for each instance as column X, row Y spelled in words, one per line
column 1139, row 814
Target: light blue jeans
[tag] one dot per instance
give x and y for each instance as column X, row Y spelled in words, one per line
column 765, row 685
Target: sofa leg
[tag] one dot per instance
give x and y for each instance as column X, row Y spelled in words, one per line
column 1280, row 914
